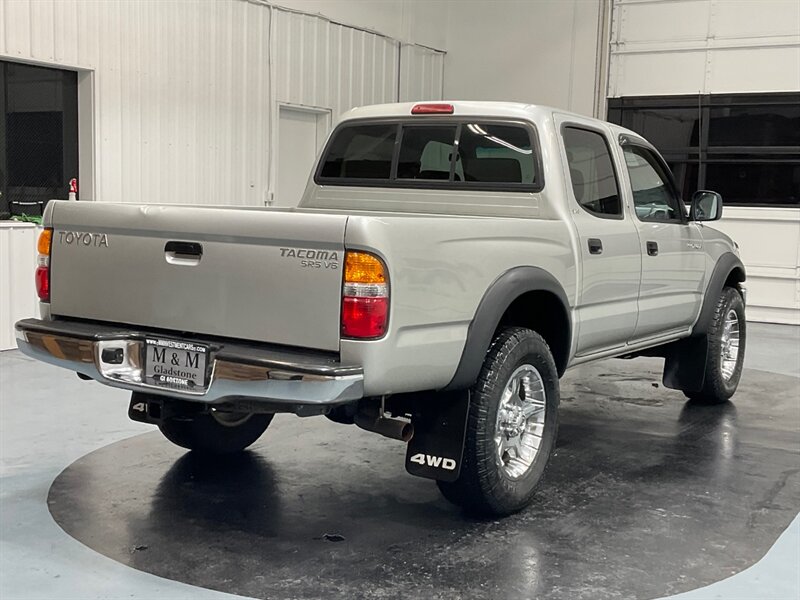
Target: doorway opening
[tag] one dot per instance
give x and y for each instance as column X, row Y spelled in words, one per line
column 301, row 133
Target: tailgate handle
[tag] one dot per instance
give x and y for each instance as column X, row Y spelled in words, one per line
column 183, row 253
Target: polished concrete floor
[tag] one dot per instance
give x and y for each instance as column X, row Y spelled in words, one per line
column 646, row 497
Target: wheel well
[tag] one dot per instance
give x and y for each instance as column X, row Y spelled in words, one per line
column 544, row 313
column 735, row 277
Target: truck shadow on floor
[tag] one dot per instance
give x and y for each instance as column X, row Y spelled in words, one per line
column 640, row 500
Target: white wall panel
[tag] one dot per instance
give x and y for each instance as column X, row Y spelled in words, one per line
column 704, row 46
column 661, row 21
column 646, row 74
column 322, row 64
column 769, row 240
column 17, row 265
column 765, row 69
column 540, row 52
column 755, row 18
column 421, row 73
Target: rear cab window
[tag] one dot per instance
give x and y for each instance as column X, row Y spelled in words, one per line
column 450, row 154
column 361, row 152
column 592, row 173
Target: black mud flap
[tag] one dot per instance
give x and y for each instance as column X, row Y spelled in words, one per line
column 440, row 425
column 685, row 364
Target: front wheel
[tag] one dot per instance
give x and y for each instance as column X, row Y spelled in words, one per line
column 215, row 432
column 511, row 428
column 725, row 346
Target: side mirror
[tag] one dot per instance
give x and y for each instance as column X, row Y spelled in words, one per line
column 706, row 206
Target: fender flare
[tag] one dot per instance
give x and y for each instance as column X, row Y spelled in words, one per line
column 496, row 300
column 726, row 264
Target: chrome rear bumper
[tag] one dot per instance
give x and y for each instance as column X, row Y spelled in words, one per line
column 287, row 380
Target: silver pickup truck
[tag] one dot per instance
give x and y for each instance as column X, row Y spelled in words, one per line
column 447, row 263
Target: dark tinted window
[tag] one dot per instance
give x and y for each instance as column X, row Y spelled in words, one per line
column 591, row 170
column 744, row 146
column 685, row 174
column 771, row 181
column 425, row 152
column 495, row 154
column 361, row 152
column 38, row 136
column 754, row 126
column 653, row 198
column 666, row 127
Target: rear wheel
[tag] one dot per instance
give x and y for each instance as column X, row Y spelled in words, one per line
column 512, row 424
column 724, row 350
column 215, row 432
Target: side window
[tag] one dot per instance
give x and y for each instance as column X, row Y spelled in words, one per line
column 361, row 152
column 653, row 197
column 591, row 172
column 425, row 152
column 489, row 153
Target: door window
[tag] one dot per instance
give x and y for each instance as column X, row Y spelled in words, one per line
column 591, row 171
column 653, row 196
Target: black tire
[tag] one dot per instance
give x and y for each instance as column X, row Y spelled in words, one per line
column 716, row 387
column 483, row 486
column 209, row 434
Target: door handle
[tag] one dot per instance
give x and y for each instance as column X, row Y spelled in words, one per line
column 183, row 253
column 595, row 246
column 652, row 248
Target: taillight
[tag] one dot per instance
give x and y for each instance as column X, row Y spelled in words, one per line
column 365, row 297
column 42, row 276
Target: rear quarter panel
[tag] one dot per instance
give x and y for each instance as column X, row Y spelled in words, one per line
column 439, row 268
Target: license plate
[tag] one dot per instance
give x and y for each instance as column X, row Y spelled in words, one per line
column 175, row 364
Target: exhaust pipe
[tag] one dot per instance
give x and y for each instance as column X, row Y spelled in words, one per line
column 397, row 429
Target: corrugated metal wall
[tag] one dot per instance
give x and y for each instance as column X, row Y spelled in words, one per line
column 421, row 73
column 180, row 94
column 185, row 93
column 324, row 64
column 17, row 291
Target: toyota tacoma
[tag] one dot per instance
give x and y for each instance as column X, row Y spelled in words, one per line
column 447, row 263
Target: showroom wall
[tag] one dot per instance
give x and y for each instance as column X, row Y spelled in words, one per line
column 542, row 52
column 714, row 47
column 417, row 21
column 178, row 101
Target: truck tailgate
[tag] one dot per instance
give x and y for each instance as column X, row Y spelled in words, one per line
column 253, row 274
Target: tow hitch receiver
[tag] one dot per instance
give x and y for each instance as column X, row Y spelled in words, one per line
column 440, row 425
column 152, row 409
